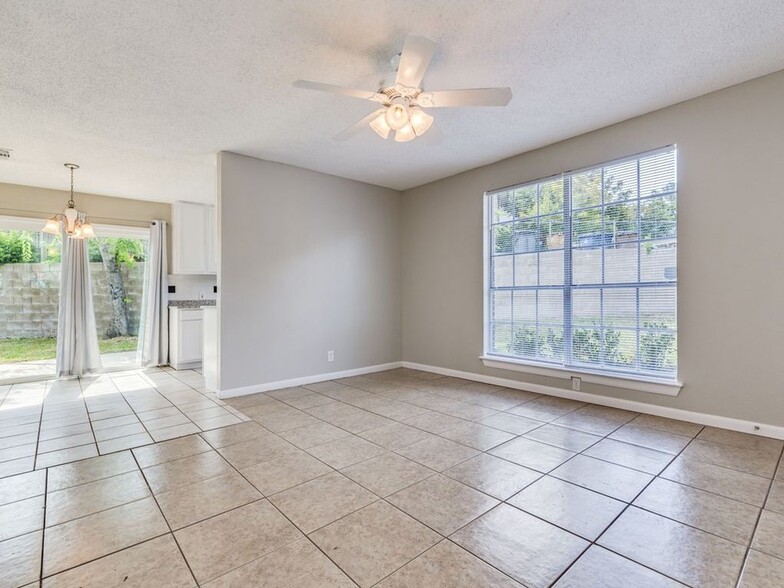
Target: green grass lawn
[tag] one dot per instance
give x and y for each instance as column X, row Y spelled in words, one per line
column 14, row 350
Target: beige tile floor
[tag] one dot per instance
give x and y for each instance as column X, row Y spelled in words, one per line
column 397, row 479
column 47, row 423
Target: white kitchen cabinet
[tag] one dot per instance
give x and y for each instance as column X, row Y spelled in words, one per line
column 193, row 238
column 212, row 241
column 185, row 337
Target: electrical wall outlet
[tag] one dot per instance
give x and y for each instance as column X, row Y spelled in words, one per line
column 576, row 383
column 330, row 356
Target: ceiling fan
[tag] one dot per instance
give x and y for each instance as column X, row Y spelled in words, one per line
column 404, row 102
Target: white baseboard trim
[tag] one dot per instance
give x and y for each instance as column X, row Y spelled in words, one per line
column 266, row 387
column 663, row 411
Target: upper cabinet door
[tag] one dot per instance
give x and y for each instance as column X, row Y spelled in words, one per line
column 212, row 241
column 193, row 247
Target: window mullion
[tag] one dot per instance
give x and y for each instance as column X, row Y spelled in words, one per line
column 638, row 362
column 567, row 280
column 603, row 251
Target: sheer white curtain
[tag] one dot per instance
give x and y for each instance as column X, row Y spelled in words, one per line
column 77, row 337
column 153, row 347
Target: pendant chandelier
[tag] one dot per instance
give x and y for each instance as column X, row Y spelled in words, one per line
column 74, row 223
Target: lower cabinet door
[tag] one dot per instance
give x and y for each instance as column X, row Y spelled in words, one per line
column 190, row 340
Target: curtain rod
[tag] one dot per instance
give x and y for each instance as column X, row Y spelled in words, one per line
column 38, row 214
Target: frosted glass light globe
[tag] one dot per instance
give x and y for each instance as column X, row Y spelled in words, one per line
column 396, row 116
column 405, row 134
column 420, row 120
column 380, row 126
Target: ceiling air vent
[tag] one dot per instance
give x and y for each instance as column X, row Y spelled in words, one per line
column 5, row 153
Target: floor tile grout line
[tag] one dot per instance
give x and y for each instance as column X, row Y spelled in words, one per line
column 178, row 406
column 144, row 425
column 539, row 478
column 543, row 475
column 40, row 422
column 48, row 382
column 509, row 441
column 691, row 526
column 116, row 551
column 660, row 476
column 651, row 481
column 165, row 520
column 442, row 473
column 427, row 408
column 444, row 538
column 759, row 517
column 447, row 540
column 87, row 411
column 429, row 391
column 84, row 516
column 517, row 436
column 475, row 421
column 43, row 527
column 334, row 470
column 135, row 413
column 90, row 481
column 606, row 436
column 305, row 535
column 629, row 504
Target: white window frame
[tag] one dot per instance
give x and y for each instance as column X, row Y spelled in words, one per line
column 21, row 223
column 639, row 382
column 130, row 232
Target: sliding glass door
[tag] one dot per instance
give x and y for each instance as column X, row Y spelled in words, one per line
column 118, row 259
column 29, row 291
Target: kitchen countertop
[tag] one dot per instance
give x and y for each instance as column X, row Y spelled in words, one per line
column 191, row 303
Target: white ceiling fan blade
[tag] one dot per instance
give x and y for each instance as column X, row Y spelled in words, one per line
column 472, row 97
column 355, row 129
column 353, row 92
column 416, row 56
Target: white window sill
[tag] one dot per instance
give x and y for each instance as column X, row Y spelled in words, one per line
column 652, row 385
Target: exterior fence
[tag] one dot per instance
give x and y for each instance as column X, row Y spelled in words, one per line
column 29, row 298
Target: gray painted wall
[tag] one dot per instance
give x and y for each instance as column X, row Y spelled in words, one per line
column 731, row 249
column 308, row 263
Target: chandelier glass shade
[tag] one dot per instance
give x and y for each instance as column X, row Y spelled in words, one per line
column 71, row 221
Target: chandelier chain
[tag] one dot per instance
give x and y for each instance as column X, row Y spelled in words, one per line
column 71, row 202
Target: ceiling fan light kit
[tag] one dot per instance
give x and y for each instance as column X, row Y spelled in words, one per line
column 404, row 101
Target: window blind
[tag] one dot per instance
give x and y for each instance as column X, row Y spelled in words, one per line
column 583, row 268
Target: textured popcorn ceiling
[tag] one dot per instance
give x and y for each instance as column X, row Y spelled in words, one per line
column 142, row 94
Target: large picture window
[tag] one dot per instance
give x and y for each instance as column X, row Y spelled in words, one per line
column 582, row 269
